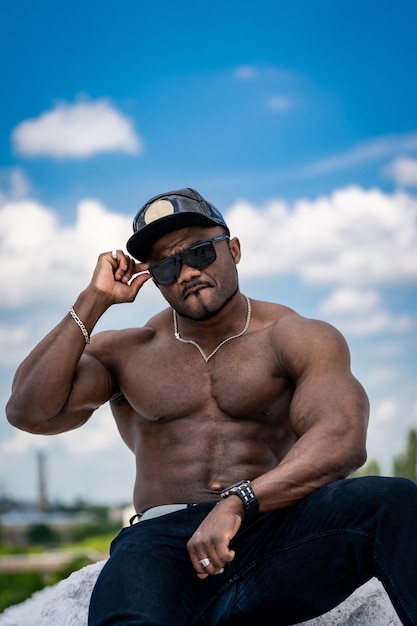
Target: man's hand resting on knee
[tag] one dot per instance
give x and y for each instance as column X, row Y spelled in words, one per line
column 209, row 546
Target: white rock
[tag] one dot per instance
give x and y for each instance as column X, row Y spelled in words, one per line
column 66, row 604
column 367, row 606
column 27, row 613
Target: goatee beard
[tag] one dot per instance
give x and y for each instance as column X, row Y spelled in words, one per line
column 208, row 313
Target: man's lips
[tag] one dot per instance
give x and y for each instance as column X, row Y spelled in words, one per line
column 194, row 289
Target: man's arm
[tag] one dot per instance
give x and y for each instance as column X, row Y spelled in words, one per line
column 329, row 414
column 62, row 381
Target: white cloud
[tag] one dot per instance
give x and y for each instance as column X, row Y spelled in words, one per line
column 13, row 344
column 266, row 73
column 14, row 184
column 381, row 377
column 354, row 237
column 403, row 171
column 246, row 72
column 99, row 433
column 388, row 350
column 77, row 130
column 386, row 411
column 353, row 241
column 350, row 239
column 348, row 301
column 367, row 152
column 373, row 323
column 21, row 442
column 41, row 260
column 361, row 313
column 47, row 264
column 279, row 103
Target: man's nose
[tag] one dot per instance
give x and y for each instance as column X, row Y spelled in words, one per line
column 187, row 272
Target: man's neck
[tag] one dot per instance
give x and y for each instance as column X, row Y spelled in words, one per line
column 228, row 320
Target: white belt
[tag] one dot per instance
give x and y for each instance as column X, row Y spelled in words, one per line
column 157, row 511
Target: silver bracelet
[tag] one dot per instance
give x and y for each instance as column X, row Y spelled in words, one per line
column 80, row 324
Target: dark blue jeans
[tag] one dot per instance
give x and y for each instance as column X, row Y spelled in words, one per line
column 290, row 565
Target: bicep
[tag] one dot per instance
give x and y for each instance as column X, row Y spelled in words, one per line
column 326, row 394
column 92, row 386
column 335, row 402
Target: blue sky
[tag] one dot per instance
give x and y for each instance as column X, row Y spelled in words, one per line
column 297, row 119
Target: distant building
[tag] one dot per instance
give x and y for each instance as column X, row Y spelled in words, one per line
column 15, row 525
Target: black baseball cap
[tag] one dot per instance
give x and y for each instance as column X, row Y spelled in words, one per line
column 168, row 212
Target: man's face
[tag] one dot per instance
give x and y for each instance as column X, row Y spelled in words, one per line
column 199, row 293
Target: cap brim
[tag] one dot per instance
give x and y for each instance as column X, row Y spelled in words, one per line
column 140, row 244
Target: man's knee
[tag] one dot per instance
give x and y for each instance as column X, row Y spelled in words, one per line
column 380, row 493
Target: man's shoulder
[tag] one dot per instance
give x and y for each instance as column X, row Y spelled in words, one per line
column 302, row 343
column 108, row 339
column 291, row 330
column 272, row 314
column 307, row 331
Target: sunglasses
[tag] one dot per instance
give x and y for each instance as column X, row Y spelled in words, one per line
column 197, row 256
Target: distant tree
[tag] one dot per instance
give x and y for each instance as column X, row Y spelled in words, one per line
column 15, row 588
column 371, row 468
column 405, row 463
column 41, row 534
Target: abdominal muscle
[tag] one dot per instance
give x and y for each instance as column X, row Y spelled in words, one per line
column 193, row 458
column 196, row 428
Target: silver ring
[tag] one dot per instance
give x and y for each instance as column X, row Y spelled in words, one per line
column 205, row 562
column 114, row 254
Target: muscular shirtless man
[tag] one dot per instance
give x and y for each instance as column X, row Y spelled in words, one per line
column 245, row 421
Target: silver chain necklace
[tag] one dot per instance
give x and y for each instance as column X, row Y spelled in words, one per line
column 197, row 345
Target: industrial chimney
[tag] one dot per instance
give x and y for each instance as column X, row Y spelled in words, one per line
column 42, row 499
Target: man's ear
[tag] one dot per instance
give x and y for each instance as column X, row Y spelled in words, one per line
column 234, row 245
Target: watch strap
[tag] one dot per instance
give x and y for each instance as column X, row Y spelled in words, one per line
column 244, row 491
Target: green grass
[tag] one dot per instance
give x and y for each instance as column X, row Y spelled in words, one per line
column 17, row 587
column 98, row 543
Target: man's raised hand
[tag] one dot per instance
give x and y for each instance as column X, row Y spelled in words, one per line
column 119, row 276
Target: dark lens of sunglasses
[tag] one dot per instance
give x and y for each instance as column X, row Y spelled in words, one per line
column 167, row 271
column 201, row 255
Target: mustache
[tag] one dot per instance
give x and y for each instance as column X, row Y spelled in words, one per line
column 195, row 285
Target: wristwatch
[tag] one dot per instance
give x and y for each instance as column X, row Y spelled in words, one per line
column 244, row 491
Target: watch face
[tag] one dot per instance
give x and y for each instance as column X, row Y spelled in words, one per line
column 232, row 489
column 237, row 485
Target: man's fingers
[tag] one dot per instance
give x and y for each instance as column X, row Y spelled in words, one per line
column 206, row 567
column 121, row 264
column 217, row 550
column 212, row 540
column 213, row 563
column 124, row 267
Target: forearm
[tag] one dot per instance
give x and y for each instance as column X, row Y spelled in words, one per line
column 44, row 380
column 318, row 458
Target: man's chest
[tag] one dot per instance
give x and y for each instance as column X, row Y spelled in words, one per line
column 176, row 382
